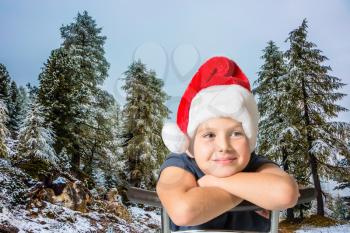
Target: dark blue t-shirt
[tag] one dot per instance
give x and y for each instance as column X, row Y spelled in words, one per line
column 243, row 221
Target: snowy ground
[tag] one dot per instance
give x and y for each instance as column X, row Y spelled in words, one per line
column 62, row 220
column 41, row 224
column 329, row 185
column 338, row 229
column 55, row 218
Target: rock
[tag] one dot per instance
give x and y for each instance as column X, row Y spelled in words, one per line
column 74, row 196
column 6, row 227
column 70, row 194
column 46, row 194
column 115, row 206
column 112, row 195
column 119, row 210
column 153, row 226
column 58, row 185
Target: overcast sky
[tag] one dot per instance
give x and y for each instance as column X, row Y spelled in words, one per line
column 174, row 37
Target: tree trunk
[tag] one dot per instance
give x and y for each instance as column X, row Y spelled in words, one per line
column 88, row 165
column 312, row 158
column 290, row 211
column 315, row 177
column 76, row 159
column 135, row 173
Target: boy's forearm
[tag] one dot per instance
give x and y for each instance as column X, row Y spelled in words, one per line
column 206, row 203
column 274, row 191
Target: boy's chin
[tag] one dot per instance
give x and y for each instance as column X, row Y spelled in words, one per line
column 222, row 173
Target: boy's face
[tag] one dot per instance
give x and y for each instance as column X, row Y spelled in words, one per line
column 220, row 147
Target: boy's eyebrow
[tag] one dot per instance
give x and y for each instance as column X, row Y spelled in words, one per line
column 213, row 129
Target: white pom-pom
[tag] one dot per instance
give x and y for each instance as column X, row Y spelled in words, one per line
column 174, row 139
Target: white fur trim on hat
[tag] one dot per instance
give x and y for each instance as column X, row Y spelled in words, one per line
column 174, row 139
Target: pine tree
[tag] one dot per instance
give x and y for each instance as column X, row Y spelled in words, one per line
column 143, row 116
column 343, row 178
column 64, row 160
column 340, row 210
column 278, row 138
column 35, row 152
column 23, row 101
column 115, row 162
column 83, row 41
column 4, row 83
column 99, row 134
column 312, row 90
column 3, row 130
column 32, row 91
column 14, row 110
column 159, row 112
column 270, row 92
column 60, row 97
column 69, row 82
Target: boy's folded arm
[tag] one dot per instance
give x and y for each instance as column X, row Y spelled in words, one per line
column 186, row 203
column 269, row 187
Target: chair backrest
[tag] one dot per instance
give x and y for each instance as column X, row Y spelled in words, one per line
column 137, row 195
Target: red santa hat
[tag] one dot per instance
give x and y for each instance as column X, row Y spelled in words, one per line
column 218, row 89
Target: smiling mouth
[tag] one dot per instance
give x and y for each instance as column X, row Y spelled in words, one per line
column 224, row 161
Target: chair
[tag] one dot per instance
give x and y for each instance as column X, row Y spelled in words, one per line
column 141, row 196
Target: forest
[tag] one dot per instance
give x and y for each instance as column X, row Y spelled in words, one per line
column 69, row 151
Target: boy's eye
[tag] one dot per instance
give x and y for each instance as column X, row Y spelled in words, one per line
column 234, row 134
column 208, row 135
column 237, row 133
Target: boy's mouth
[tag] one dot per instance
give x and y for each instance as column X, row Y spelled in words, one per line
column 224, row 161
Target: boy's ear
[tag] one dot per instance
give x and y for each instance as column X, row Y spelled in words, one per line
column 189, row 153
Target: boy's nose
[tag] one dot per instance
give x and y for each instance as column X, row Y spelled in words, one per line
column 223, row 144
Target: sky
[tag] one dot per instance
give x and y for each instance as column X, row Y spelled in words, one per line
column 174, row 37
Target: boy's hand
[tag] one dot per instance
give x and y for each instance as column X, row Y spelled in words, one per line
column 264, row 213
column 208, row 181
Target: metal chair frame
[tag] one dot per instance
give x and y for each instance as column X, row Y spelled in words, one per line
column 141, row 196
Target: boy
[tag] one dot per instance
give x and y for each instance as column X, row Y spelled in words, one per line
column 213, row 167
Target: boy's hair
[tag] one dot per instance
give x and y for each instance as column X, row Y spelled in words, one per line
column 218, row 89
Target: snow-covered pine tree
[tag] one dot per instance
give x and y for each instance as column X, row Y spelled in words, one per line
column 99, row 134
column 278, row 138
column 23, row 101
column 114, row 165
column 83, row 41
column 32, row 91
column 143, row 115
column 61, row 98
column 14, row 110
column 269, row 90
column 344, row 178
column 313, row 91
column 159, row 112
column 108, row 154
column 4, row 133
column 64, row 160
column 340, row 211
column 5, row 81
column 80, row 66
column 35, row 152
column 134, row 116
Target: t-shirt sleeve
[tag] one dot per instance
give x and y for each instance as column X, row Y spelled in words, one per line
column 257, row 161
column 175, row 160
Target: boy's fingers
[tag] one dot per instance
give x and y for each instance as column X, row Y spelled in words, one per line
column 264, row 213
